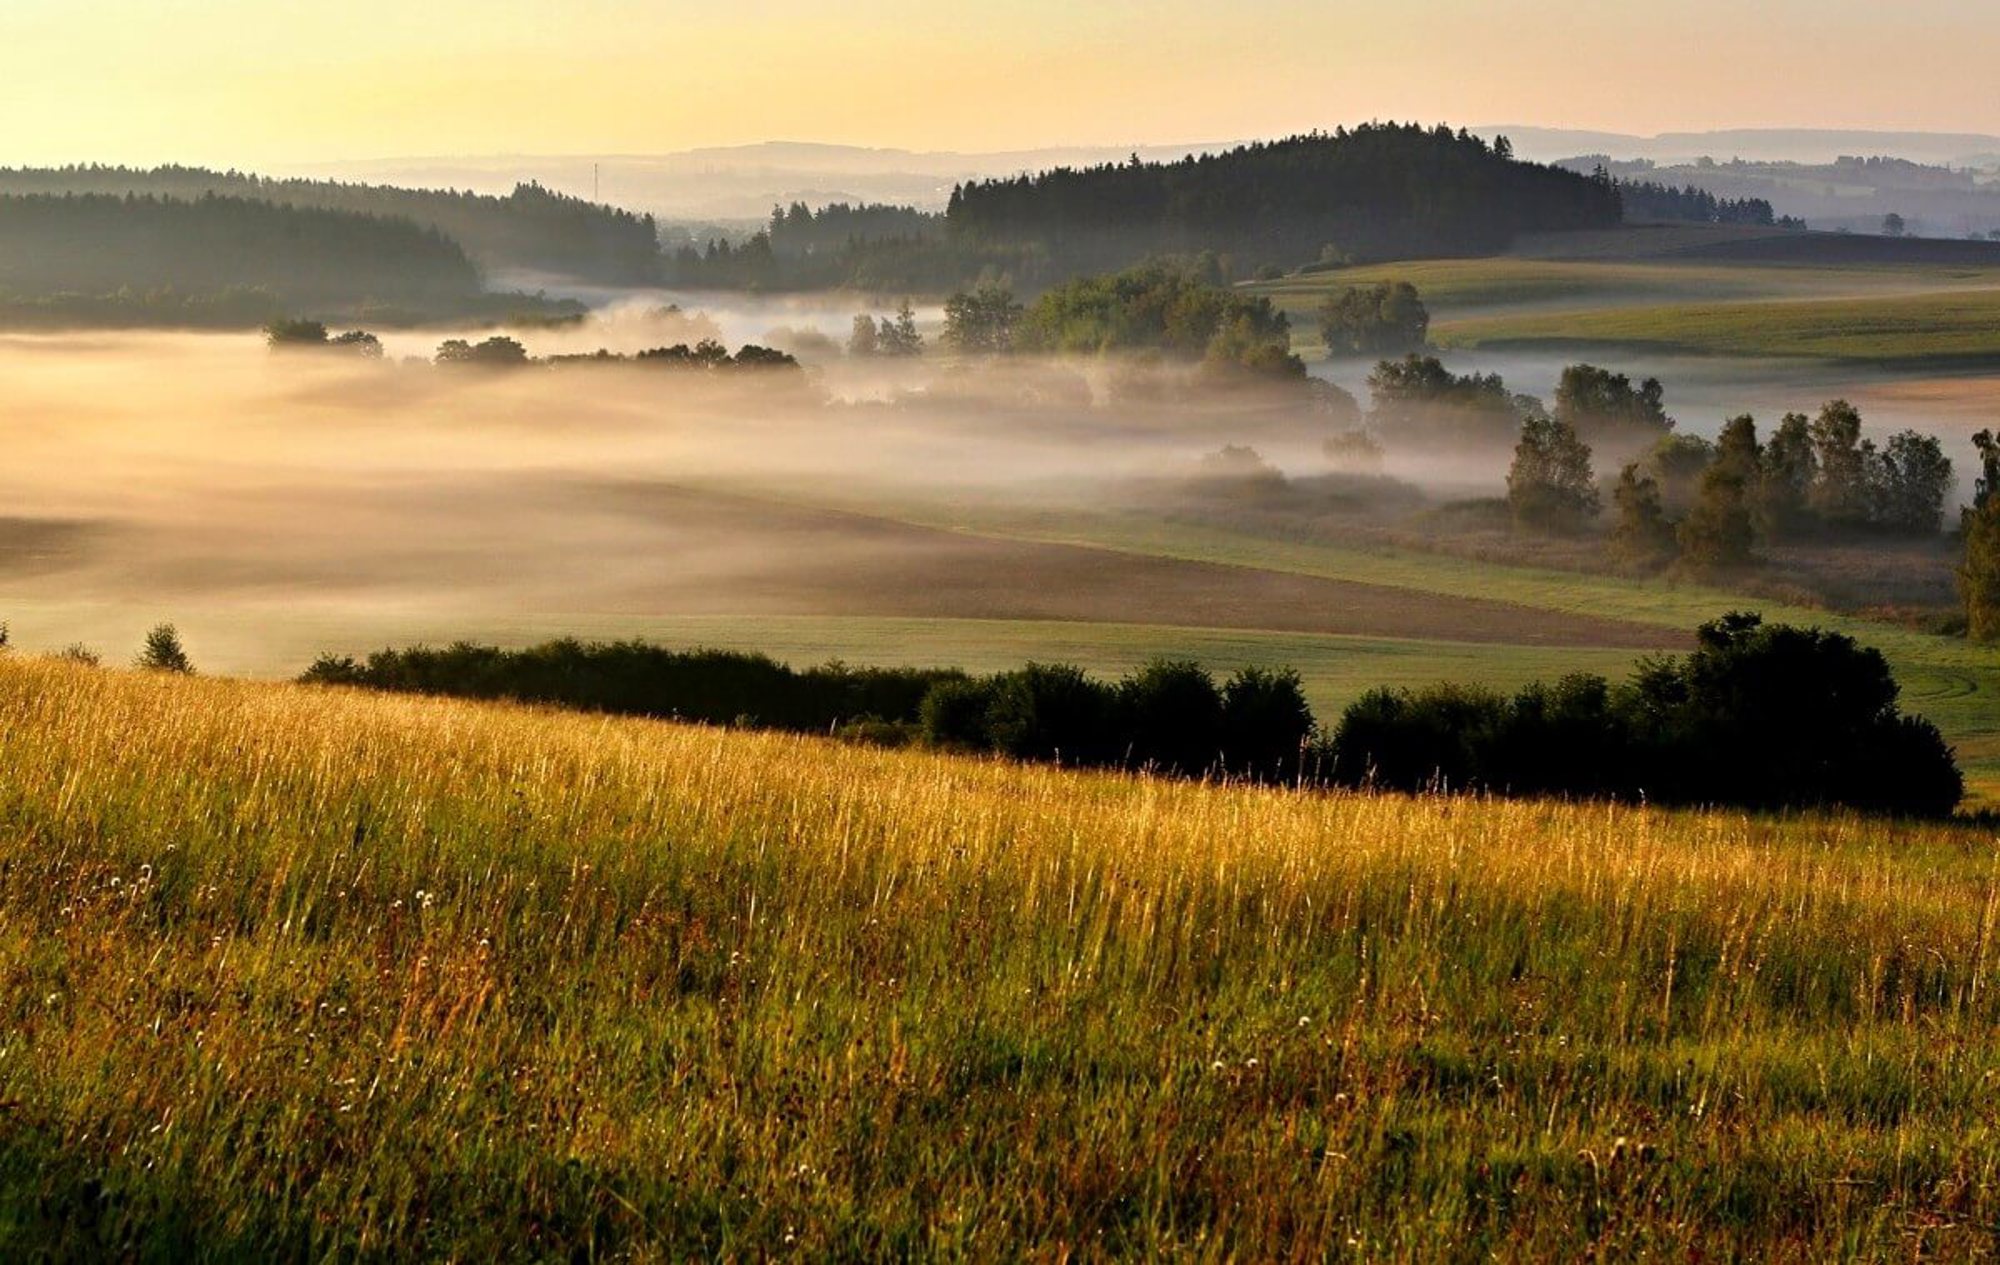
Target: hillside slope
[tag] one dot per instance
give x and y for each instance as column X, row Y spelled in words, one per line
column 531, row 228
column 293, row 973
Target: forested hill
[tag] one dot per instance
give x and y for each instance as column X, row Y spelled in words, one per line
column 1380, row 191
column 532, row 228
column 100, row 244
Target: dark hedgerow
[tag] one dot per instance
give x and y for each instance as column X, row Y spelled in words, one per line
column 1758, row 716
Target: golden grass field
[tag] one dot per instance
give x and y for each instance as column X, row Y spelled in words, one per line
column 308, row 973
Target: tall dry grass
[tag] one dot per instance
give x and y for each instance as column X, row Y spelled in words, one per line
column 297, row 973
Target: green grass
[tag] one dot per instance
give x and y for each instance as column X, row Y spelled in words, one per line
column 316, row 975
column 1335, row 669
column 1954, row 683
column 1455, row 288
column 1933, row 330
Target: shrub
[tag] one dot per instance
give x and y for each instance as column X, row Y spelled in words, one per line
column 1172, row 716
column 1759, row 716
column 163, row 652
column 1052, row 712
column 1266, row 723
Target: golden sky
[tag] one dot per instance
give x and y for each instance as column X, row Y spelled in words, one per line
column 248, row 81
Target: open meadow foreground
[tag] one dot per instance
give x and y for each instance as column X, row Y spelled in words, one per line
column 1312, row 631
column 308, row 973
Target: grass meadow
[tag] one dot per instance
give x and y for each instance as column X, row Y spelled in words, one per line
column 1951, row 329
column 1953, row 682
column 316, row 974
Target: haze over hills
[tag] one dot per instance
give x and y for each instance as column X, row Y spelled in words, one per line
column 740, row 182
column 1798, row 145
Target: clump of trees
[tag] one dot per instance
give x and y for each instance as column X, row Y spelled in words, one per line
column 292, row 334
column 1605, row 408
column 1417, row 403
column 982, row 321
column 1549, row 486
column 895, row 336
column 1814, row 477
column 1760, row 716
column 497, row 352
column 1380, row 320
column 1165, row 306
column 502, row 352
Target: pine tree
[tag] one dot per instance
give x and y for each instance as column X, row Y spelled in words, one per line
column 163, row 652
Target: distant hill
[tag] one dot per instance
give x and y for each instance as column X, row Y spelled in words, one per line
column 1854, row 192
column 1378, row 192
column 92, row 243
column 100, row 260
column 739, row 185
column 530, row 229
column 1796, row 145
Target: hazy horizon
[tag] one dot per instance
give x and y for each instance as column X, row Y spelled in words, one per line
column 233, row 81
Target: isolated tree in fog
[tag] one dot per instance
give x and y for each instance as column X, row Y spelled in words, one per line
column 900, row 337
column 1718, row 532
column 358, row 342
column 1912, row 480
column 163, row 652
column 863, row 341
column 1979, row 528
column 1839, row 493
column 1386, row 319
column 1787, row 472
column 1416, row 402
column 1893, row 225
column 1549, row 487
column 1642, row 536
column 1988, row 480
column 294, row 335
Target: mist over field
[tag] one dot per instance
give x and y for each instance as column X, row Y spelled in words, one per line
column 263, row 498
column 278, row 504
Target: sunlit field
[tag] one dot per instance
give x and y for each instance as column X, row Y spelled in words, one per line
column 1931, row 330
column 313, row 973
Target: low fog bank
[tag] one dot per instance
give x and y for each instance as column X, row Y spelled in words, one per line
column 155, row 475
column 277, row 504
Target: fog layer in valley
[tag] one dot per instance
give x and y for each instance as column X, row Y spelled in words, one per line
column 275, row 505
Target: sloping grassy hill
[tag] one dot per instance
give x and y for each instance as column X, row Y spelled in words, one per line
column 292, row 973
column 1940, row 330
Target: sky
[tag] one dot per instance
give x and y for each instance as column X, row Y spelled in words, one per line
column 249, row 81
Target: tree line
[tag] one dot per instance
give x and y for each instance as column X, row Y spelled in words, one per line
column 499, row 351
column 99, row 244
column 1374, row 192
column 532, row 228
column 1757, row 716
column 1647, row 200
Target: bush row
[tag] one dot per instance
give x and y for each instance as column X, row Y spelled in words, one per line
column 1758, row 716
